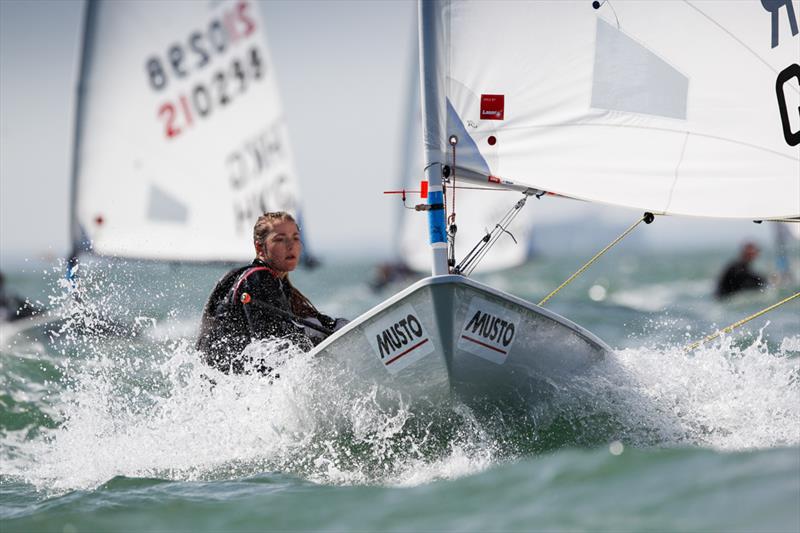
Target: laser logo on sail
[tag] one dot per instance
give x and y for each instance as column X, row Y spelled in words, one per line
column 492, row 106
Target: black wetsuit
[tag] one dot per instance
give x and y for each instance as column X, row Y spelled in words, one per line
column 229, row 325
column 737, row 277
column 13, row 307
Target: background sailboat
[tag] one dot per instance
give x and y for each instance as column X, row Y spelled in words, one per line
column 477, row 211
column 181, row 141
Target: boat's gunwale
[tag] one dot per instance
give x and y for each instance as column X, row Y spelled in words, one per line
column 461, row 280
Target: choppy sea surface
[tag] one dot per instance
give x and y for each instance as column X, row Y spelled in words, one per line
column 107, row 424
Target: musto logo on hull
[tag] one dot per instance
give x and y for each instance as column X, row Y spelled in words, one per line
column 488, row 331
column 399, row 338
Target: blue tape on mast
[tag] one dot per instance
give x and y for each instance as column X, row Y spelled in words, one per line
column 436, row 225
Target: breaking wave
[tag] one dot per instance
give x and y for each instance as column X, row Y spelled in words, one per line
column 104, row 402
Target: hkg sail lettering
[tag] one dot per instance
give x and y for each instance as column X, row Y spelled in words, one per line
column 260, row 177
column 275, row 195
column 257, row 156
column 491, row 328
column 401, row 334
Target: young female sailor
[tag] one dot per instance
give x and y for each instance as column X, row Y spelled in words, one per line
column 258, row 301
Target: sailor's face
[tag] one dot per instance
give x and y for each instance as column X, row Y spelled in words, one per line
column 282, row 247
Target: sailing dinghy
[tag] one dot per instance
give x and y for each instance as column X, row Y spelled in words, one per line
column 670, row 107
column 181, row 142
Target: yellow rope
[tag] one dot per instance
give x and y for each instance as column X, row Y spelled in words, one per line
column 596, row 257
column 739, row 323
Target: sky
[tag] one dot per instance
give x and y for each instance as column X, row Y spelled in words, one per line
column 327, row 55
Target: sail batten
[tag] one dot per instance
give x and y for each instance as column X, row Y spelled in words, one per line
column 670, row 107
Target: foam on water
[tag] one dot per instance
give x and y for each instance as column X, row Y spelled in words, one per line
column 145, row 406
column 659, row 296
column 169, row 421
column 722, row 396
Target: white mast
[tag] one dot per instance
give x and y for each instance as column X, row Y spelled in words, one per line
column 78, row 240
column 432, row 89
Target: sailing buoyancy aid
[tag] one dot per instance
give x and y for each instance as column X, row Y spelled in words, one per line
column 220, row 329
column 227, row 328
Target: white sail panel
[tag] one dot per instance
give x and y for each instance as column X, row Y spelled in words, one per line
column 794, row 229
column 666, row 106
column 477, row 212
column 181, row 138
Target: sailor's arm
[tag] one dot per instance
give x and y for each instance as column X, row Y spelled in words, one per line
column 263, row 323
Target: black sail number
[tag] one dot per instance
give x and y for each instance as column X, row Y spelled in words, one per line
column 205, row 97
column 792, row 71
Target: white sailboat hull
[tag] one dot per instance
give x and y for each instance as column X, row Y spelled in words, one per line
column 451, row 336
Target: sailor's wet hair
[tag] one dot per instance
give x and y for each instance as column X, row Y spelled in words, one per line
column 301, row 306
column 266, row 223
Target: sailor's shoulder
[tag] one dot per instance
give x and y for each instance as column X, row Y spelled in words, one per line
column 258, row 278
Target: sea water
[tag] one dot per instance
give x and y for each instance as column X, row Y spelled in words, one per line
column 109, row 423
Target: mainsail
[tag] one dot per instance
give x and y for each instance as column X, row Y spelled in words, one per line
column 674, row 107
column 181, row 140
column 477, row 211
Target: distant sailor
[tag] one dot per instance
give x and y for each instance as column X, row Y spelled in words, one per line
column 386, row 273
column 258, row 301
column 738, row 276
column 12, row 307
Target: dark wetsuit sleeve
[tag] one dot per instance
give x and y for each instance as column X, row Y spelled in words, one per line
column 737, row 277
column 326, row 321
column 264, row 323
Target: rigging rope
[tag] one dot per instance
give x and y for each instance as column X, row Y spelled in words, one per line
column 451, row 219
column 647, row 218
column 476, row 255
column 740, row 322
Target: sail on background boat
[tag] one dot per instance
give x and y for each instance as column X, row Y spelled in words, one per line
column 477, row 211
column 181, row 142
column 673, row 107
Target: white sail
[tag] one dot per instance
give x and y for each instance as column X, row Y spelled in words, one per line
column 675, row 106
column 477, row 212
column 476, row 216
column 181, row 142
